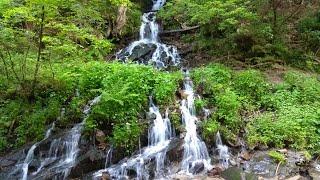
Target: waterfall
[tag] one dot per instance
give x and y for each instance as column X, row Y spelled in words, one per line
column 27, row 161
column 30, row 154
column 223, row 151
column 152, row 51
column 195, row 150
column 160, row 133
column 62, row 152
column 69, row 145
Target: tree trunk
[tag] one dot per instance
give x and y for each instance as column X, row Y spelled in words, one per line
column 39, row 56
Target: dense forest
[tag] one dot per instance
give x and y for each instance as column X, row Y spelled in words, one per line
column 254, row 65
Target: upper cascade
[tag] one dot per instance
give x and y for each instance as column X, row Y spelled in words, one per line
column 148, row 49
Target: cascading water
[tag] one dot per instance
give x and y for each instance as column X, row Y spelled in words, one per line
column 148, row 49
column 30, row 155
column 69, row 146
column 223, row 151
column 195, row 150
column 160, row 133
column 61, row 155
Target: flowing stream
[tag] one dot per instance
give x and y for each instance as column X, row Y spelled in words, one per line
column 30, row 154
column 160, row 133
column 61, row 155
column 148, row 49
column 195, row 151
column 150, row 162
column 223, row 151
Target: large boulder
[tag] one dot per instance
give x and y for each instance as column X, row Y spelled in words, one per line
column 140, row 53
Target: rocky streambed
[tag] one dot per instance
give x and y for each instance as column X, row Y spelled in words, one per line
column 242, row 164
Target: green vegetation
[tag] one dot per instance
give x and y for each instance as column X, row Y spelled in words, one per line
column 124, row 88
column 277, row 157
column 279, row 115
column 257, row 33
column 53, row 53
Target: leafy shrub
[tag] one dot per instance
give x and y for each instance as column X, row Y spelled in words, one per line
column 251, row 86
column 126, row 135
column 228, row 107
column 307, row 86
column 200, row 104
column 209, row 129
column 309, row 29
column 32, row 126
column 211, row 79
column 278, row 157
column 125, row 91
column 291, row 126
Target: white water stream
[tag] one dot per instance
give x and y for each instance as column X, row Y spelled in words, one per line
column 223, row 151
column 163, row 54
column 195, row 150
column 160, row 133
column 61, row 155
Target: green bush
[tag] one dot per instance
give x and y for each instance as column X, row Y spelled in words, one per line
column 125, row 91
column 291, row 126
column 251, row 86
column 277, row 157
column 309, row 29
column 209, row 129
column 228, row 107
column 211, row 79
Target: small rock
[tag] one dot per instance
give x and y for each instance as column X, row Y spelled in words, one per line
column 232, row 162
column 245, row 155
column 151, row 116
column 215, row 171
column 100, row 136
column 183, row 94
column 5, row 163
column 284, row 151
column 314, row 174
column 297, row 177
column 197, row 168
column 182, row 135
column 105, row 176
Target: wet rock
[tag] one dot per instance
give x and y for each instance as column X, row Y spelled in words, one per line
column 197, row 177
column 90, row 160
column 6, row 162
column 216, row 171
column 141, row 53
column 235, row 173
column 298, row 177
column 283, row 151
column 105, row 176
column 100, row 136
column 175, row 150
column 314, row 171
column 261, row 164
column 197, row 168
column 245, row 155
column 151, row 116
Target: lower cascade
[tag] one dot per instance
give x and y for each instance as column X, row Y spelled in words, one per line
column 222, row 151
column 61, row 156
column 160, row 134
column 195, row 150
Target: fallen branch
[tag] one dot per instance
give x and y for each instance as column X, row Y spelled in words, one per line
column 179, row 30
column 276, row 174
